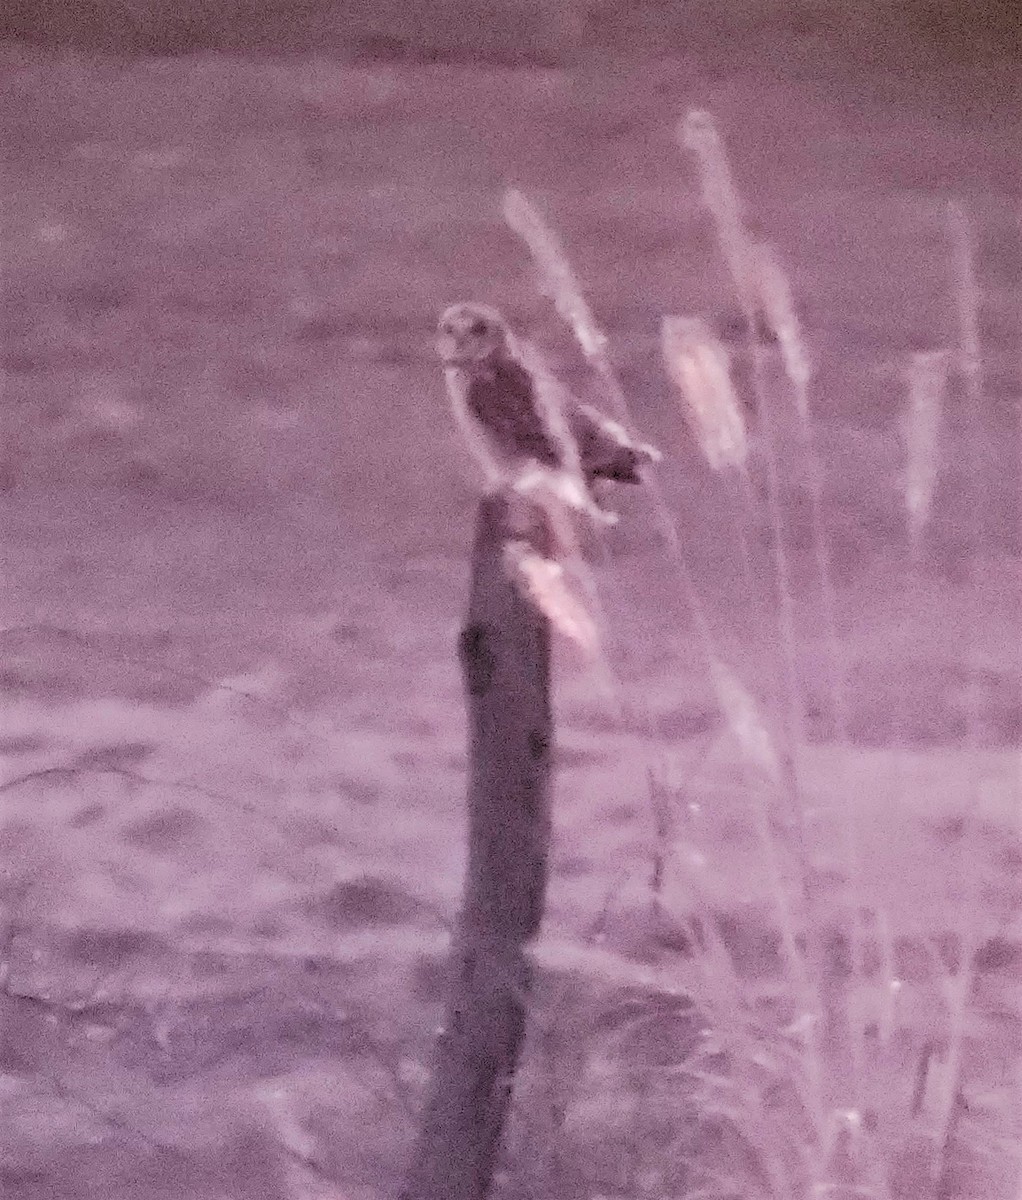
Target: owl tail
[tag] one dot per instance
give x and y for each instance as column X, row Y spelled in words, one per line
column 605, row 449
column 622, row 464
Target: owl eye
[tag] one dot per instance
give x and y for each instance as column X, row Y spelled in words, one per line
column 477, row 326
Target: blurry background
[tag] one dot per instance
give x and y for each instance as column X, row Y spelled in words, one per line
column 517, row 32
column 234, row 518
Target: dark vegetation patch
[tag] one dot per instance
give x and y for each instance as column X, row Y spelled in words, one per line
column 162, row 832
column 119, row 756
column 520, row 32
column 53, row 664
column 109, row 948
column 366, row 902
column 23, row 743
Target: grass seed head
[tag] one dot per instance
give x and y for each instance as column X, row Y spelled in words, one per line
column 697, row 362
column 543, row 582
column 557, row 277
column 927, row 382
column 698, row 133
column 774, row 291
column 967, row 294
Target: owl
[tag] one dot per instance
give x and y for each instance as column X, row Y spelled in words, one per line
column 524, row 427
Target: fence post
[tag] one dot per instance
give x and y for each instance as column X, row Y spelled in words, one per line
column 504, row 650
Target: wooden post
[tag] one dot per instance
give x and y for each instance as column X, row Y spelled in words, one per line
column 505, row 661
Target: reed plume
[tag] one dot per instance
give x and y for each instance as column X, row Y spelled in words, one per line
column 698, row 133
column 927, row 382
column 557, row 278
column 698, row 364
column 778, row 306
column 544, row 582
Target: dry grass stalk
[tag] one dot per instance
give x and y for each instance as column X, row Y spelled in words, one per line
column 927, row 383
column 698, row 132
column 558, row 279
column 746, row 722
column 969, row 363
column 697, row 362
column 775, row 295
column 778, row 306
column 966, row 291
column 562, row 285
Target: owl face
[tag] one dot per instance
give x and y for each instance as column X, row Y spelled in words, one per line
column 471, row 335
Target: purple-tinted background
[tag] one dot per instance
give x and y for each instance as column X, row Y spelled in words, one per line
column 234, row 519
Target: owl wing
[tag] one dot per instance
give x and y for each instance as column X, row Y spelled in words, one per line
column 505, row 405
column 606, row 451
column 476, row 440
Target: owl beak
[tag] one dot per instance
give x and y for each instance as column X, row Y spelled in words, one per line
column 450, row 352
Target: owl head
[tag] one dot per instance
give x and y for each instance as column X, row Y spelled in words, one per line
column 472, row 334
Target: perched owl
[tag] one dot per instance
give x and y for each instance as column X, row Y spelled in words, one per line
column 521, row 423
